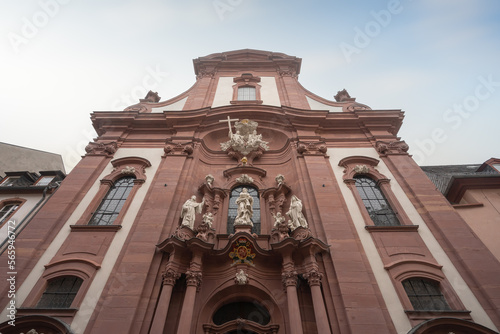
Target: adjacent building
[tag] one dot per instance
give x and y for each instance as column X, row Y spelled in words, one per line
column 248, row 204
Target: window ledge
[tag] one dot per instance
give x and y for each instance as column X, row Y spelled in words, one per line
column 47, row 311
column 95, row 228
column 239, row 102
column 464, row 206
column 396, row 228
column 430, row 314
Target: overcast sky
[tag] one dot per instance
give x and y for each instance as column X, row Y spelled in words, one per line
column 437, row 60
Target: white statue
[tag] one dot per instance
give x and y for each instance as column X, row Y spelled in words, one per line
column 297, row 219
column 189, row 211
column 278, row 219
column 208, row 218
column 210, row 180
column 241, row 277
column 245, row 208
column 245, row 139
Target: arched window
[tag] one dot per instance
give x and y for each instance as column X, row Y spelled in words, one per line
column 60, row 292
column 375, row 202
column 425, row 295
column 113, row 202
column 7, row 211
column 233, row 209
column 246, row 93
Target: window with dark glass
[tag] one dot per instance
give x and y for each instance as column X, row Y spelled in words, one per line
column 113, row 202
column 375, row 202
column 7, row 211
column 60, row 292
column 246, row 93
column 425, row 295
column 233, row 209
column 242, row 310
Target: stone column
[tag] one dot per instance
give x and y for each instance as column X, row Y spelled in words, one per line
column 289, row 278
column 314, row 279
column 169, row 278
column 193, row 281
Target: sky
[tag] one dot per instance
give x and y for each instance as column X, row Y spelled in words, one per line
column 437, row 60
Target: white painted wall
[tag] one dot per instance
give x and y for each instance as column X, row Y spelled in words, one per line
column 316, row 105
column 268, row 92
column 384, row 282
column 179, row 105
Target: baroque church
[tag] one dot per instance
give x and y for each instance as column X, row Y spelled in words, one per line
column 248, row 205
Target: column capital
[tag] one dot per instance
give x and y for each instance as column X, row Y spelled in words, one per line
column 169, row 276
column 289, row 278
column 193, row 278
column 313, row 277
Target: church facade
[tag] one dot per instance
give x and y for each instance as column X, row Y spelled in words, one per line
column 248, row 204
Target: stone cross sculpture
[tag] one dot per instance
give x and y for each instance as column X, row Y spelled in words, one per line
column 189, row 211
column 295, row 214
column 245, row 139
column 245, row 208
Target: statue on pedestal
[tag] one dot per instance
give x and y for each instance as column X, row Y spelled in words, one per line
column 245, row 208
column 189, row 211
column 295, row 214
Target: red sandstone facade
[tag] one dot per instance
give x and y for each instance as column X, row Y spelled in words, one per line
column 343, row 273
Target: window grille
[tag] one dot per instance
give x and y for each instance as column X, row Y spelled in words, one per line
column 375, row 202
column 424, row 294
column 246, row 93
column 7, row 211
column 60, row 292
column 113, row 202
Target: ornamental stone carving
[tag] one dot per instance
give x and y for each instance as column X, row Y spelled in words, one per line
column 289, row 278
column 170, row 276
column 107, row 149
column 361, row 169
column 128, row 170
column 241, row 277
column 245, row 139
column 193, row 278
column 391, row 147
column 172, row 148
column 312, row 148
column 205, row 230
column 280, row 178
column 244, row 179
column 280, row 229
column 295, row 214
column 313, row 277
column 209, row 179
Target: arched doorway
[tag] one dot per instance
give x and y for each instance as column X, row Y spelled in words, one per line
column 450, row 325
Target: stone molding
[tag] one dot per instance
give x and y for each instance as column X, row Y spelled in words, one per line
column 398, row 147
column 312, row 148
column 103, row 149
column 173, row 148
column 170, row 276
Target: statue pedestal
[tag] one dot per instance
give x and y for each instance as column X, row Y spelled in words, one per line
column 184, row 233
column 243, row 228
column 301, row 233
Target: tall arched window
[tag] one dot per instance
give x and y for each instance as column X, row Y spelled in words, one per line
column 375, row 202
column 113, row 202
column 425, row 295
column 60, row 292
column 8, row 211
column 233, row 209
